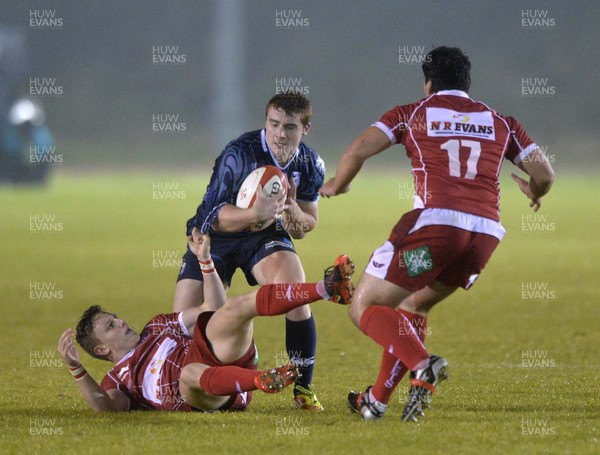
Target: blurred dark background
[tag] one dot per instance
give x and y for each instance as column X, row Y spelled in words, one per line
column 116, row 77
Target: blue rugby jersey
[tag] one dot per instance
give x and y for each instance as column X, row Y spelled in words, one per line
column 242, row 156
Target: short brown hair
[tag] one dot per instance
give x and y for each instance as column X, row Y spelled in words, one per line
column 85, row 331
column 292, row 103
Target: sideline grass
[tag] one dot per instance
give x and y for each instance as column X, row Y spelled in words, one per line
column 523, row 343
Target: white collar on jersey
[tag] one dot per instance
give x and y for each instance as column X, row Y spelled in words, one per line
column 266, row 148
column 452, row 92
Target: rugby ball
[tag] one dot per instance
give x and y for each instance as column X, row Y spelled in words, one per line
column 273, row 182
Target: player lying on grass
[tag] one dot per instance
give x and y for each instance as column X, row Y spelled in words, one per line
column 201, row 359
column 457, row 146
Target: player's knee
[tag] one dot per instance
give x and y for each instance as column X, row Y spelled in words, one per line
column 355, row 311
column 242, row 305
column 361, row 300
column 190, row 376
column 299, row 314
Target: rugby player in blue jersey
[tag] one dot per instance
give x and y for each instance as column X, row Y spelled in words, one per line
column 266, row 256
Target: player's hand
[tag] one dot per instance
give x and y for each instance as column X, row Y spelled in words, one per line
column 268, row 208
column 291, row 191
column 290, row 200
column 329, row 189
column 67, row 350
column 199, row 244
column 291, row 211
column 526, row 190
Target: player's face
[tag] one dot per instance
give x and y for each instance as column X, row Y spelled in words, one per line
column 284, row 133
column 114, row 333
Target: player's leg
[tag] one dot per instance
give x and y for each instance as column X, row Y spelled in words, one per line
column 230, row 328
column 229, row 333
column 421, row 301
column 401, row 333
column 301, row 332
column 210, row 388
column 462, row 256
column 373, row 311
column 193, row 394
column 188, row 294
column 221, row 361
column 397, row 272
column 414, row 308
column 392, row 370
column 189, row 290
column 225, row 337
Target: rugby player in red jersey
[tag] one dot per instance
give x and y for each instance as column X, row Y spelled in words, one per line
column 200, row 359
column 456, row 146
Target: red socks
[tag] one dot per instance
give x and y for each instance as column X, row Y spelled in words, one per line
column 392, row 370
column 418, row 322
column 394, row 332
column 227, row 380
column 274, row 299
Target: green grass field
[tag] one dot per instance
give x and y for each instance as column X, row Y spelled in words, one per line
column 522, row 343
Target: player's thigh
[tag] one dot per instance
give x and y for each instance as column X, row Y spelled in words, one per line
column 421, row 301
column 371, row 291
column 230, row 329
column 189, row 387
column 279, row 267
column 189, row 293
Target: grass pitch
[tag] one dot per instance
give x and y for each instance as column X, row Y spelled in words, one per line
column 522, row 343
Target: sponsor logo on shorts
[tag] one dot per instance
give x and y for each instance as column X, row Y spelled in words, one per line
column 276, row 243
column 377, row 265
column 418, row 261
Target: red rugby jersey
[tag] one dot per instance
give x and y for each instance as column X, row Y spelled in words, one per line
column 456, row 146
column 149, row 374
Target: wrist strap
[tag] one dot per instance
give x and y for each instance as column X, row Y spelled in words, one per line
column 78, row 372
column 207, row 266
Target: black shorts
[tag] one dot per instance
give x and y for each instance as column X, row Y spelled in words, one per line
column 237, row 250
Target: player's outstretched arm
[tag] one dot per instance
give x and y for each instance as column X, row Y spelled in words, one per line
column 95, row 396
column 214, row 291
column 541, row 177
column 368, row 144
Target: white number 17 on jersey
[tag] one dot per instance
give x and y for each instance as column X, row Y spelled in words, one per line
column 452, row 147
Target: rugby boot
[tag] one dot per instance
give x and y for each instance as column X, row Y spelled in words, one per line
column 275, row 380
column 338, row 280
column 423, row 384
column 360, row 402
